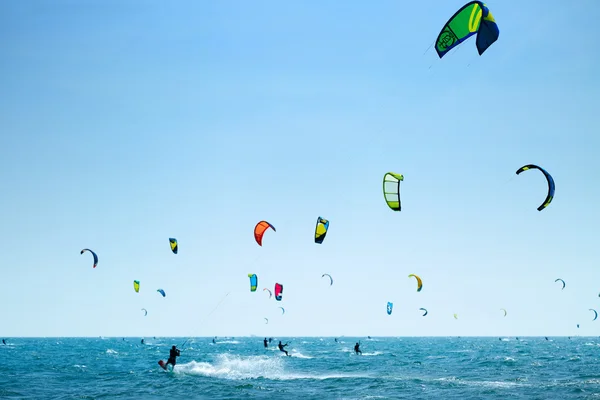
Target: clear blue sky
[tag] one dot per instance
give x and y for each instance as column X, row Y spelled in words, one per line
column 124, row 123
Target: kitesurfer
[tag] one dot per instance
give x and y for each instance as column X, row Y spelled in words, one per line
column 270, row 339
column 265, row 343
column 214, row 341
column 357, row 348
column 3, row 341
column 142, row 341
column 335, row 340
column 173, row 354
column 281, row 348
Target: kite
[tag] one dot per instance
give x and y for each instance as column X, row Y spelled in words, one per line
column 93, row 254
column 145, row 311
column 162, row 292
column 455, row 316
column 595, row 314
column 253, row 282
column 259, row 231
column 266, row 320
column 391, row 189
column 330, row 278
column 502, row 309
column 321, row 230
column 136, row 286
column 173, row 243
column 278, row 291
column 423, row 309
column 389, row 308
column 563, row 282
column 472, row 18
column 550, row 180
column 270, row 293
column 282, row 310
column 419, row 282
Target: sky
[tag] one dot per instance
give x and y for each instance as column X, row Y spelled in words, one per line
column 125, row 123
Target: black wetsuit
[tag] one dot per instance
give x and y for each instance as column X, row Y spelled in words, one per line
column 173, row 354
column 281, row 348
column 265, row 343
column 357, row 349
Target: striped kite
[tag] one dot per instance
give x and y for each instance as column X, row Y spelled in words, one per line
column 253, row 282
column 391, row 189
column 136, row 286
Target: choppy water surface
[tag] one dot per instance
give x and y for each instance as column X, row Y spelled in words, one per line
column 232, row 368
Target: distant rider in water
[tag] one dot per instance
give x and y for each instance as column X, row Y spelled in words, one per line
column 281, row 348
column 173, row 354
column 357, row 348
column 265, row 343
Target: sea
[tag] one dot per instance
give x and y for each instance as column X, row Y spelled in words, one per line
column 317, row 368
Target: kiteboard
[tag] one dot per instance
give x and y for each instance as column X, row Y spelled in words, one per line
column 164, row 366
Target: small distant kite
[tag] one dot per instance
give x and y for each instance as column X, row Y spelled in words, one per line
column 472, row 18
column 161, row 292
column 93, row 254
column 136, row 286
column 321, row 230
column 391, row 190
column 270, row 293
column 278, row 291
column 145, row 311
column 423, row 309
column 550, row 180
column 563, row 283
column 174, row 246
column 253, row 282
column 330, row 278
column 502, row 309
column 595, row 313
column 282, row 310
column 389, row 308
column 419, row 282
column 455, row 316
column 259, row 231
column 266, row 320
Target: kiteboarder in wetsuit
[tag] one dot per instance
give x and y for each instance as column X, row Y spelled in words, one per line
column 265, row 343
column 142, row 341
column 3, row 342
column 173, row 354
column 281, row 348
column 357, row 348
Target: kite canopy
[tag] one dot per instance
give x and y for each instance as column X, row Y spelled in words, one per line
column 266, row 320
column 145, row 311
column 321, row 230
column 173, row 243
column 389, row 308
column 595, row 313
column 270, row 293
column 423, row 309
column 502, row 309
column 472, row 18
column 259, row 231
column 93, row 254
column 563, row 282
column 253, row 282
column 391, row 189
column 278, row 291
column 550, row 194
column 282, row 310
column 136, row 286
column 330, row 278
column 419, row 282
column 161, row 292
column 455, row 316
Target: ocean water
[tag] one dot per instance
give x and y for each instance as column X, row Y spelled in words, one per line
column 319, row 368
